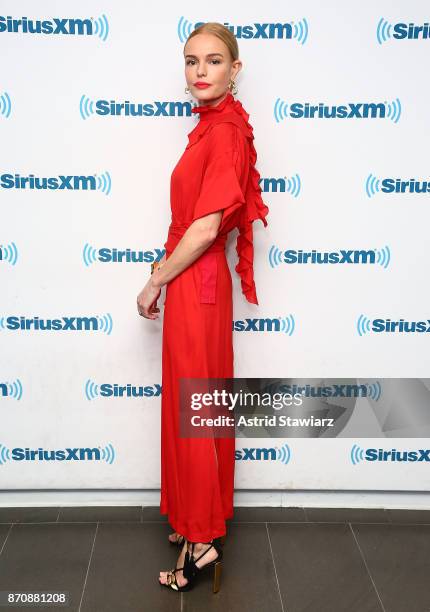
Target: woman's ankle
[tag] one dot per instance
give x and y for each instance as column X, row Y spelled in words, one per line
column 198, row 546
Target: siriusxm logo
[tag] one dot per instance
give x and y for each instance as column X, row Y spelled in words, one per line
column 365, row 325
column 281, row 185
column 282, row 454
column 401, row 31
column 93, row 390
column 91, row 182
column 371, row 390
column 278, row 324
column 358, row 454
column 284, row 31
column 101, row 323
column 70, row 27
column 380, row 257
column 12, row 390
column 350, row 110
column 106, row 453
column 5, row 105
column 111, row 255
column 9, row 253
column 375, row 185
column 111, row 108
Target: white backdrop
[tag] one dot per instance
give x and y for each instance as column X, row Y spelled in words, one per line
column 324, row 180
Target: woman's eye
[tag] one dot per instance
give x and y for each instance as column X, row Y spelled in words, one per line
column 192, row 61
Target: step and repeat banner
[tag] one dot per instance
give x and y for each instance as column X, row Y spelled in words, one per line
column 93, row 118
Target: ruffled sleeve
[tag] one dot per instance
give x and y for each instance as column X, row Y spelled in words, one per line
column 231, row 163
column 226, row 164
column 254, row 209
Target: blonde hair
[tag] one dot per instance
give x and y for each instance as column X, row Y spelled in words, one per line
column 223, row 33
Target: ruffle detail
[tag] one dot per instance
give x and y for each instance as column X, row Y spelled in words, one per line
column 206, row 112
column 206, row 109
column 255, row 208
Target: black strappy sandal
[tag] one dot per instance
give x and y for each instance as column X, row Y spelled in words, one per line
column 191, row 571
column 171, row 581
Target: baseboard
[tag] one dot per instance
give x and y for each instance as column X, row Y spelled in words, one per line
column 250, row 498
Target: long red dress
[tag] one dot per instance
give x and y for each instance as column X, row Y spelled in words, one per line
column 216, row 172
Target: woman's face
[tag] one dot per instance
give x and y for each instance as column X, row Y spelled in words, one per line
column 207, row 60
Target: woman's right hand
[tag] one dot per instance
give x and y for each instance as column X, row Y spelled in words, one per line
column 161, row 261
column 146, row 304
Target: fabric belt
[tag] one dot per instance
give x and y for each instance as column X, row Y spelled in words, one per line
column 207, row 262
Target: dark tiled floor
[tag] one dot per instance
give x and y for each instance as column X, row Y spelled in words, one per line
column 275, row 560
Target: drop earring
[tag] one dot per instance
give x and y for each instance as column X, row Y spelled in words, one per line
column 187, row 90
column 233, row 87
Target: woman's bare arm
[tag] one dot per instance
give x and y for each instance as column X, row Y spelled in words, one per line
column 196, row 239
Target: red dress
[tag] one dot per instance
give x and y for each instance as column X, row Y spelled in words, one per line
column 216, row 172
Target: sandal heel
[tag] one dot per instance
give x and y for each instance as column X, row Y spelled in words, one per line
column 191, row 571
column 217, row 576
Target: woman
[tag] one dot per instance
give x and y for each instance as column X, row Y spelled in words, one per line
column 214, row 188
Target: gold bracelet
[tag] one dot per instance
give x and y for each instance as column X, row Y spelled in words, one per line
column 153, row 264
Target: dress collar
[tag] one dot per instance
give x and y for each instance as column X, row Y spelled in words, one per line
column 208, row 112
column 228, row 109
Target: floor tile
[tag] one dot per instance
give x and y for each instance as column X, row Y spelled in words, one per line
column 409, row 516
column 92, row 514
column 47, row 557
column 320, row 569
column 248, row 582
column 124, row 570
column 346, row 515
column 28, row 514
column 243, row 514
column 152, row 513
column 398, row 558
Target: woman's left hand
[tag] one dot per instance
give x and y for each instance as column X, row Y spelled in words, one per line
column 147, row 301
